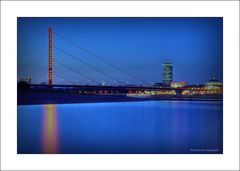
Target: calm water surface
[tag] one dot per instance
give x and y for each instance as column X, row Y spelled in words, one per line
column 122, row 127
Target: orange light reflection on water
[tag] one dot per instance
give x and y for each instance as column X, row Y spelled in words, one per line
column 50, row 127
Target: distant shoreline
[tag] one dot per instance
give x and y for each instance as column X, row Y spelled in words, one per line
column 38, row 98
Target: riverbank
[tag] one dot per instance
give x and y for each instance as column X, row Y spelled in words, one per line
column 36, row 97
column 31, row 98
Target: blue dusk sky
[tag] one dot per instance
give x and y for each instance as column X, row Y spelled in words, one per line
column 136, row 45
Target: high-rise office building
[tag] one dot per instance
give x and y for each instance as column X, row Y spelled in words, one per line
column 167, row 73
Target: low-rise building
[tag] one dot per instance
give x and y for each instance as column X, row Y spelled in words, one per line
column 178, row 84
column 25, row 79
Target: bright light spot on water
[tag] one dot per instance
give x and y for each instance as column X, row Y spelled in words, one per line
column 50, row 141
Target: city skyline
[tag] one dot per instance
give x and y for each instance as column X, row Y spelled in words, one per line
column 131, row 44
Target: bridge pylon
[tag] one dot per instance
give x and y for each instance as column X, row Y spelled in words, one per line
column 49, row 56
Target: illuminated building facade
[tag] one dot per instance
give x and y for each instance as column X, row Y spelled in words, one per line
column 214, row 83
column 213, row 86
column 167, row 73
column 177, row 84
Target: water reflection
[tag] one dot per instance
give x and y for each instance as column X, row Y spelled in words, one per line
column 157, row 127
column 50, row 129
column 180, row 126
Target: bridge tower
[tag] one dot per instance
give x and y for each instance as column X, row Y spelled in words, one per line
column 49, row 56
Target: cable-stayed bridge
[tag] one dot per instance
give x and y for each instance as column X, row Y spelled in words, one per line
column 94, row 86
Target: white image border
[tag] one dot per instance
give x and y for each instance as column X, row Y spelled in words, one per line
column 10, row 10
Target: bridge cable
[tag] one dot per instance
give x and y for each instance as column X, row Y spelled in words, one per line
column 88, row 78
column 110, row 76
column 64, row 79
column 100, row 58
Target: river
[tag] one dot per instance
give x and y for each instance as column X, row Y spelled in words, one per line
column 147, row 127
